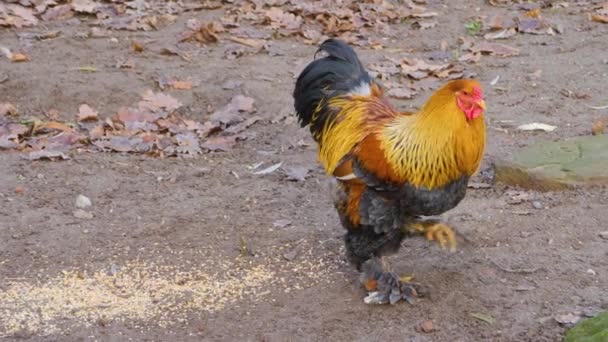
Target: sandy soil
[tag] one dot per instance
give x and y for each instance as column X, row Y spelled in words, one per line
column 203, row 249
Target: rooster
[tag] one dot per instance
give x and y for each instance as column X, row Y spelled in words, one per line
column 391, row 168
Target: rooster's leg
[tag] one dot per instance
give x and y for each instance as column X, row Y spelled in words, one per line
column 434, row 230
column 367, row 250
column 385, row 286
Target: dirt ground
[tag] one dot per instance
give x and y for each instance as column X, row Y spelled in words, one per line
column 191, row 249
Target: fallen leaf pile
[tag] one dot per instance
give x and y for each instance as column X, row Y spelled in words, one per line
column 120, row 15
column 154, row 126
column 408, row 71
column 501, row 26
column 312, row 21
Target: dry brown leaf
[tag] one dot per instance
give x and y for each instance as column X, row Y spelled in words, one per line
column 155, row 101
column 203, row 33
column 84, row 6
column 46, row 154
column 135, row 120
column 126, row 64
column 425, row 25
column 534, row 26
column 495, row 49
column 26, row 14
column 495, row 22
column 470, row 57
column 58, row 12
column 503, row 34
column 243, row 125
column 97, row 132
column 137, row 47
column 8, row 141
column 254, row 43
column 86, row 113
column 188, row 144
column 598, row 127
column 231, row 113
column 8, row 109
column 123, row 144
column 39, row 35
column 220, row 143
column 312, row 36
column 181, row 85
column 19, row 57
column 533, row 13
column 599, row 18
column 277, row 18
column 419, row 69
column 50, row 125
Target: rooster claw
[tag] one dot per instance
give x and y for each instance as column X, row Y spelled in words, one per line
column 385, row 287
column 436, row 231
column 406, row 293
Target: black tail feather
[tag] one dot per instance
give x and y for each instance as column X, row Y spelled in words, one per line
column 336, row 74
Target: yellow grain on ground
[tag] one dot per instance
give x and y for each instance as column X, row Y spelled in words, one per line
column 136, row 292
column 153, row 291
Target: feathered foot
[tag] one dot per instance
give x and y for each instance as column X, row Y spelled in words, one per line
column 434, row 230
column 384, row 286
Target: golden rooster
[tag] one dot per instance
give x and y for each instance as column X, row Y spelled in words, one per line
column 391, row 168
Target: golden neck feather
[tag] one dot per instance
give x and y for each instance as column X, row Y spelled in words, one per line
column 435, row 146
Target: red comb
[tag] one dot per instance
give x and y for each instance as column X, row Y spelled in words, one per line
column 477, row 93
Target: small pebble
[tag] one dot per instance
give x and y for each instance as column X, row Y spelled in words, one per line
column 592, row 272
column 537, row 205
column 83, row 201
column 604, row 235
column 291, row 255
column 427, row 326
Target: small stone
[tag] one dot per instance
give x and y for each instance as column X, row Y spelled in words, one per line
column 81, row 214
column 525, row 287
column 83, row 201
column 598, row 127
column 114, row 269
column 427, row 326
column 524, row 234
column 201, row 171
column 19, row 189
column 592, row 272
column 537, row 205
column 604, row 235
column 291, row 255
column 281, row 223
column 567, row 319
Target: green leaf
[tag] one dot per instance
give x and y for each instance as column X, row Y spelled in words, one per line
column 590, row 330
column 483, row 317
column 473, row 27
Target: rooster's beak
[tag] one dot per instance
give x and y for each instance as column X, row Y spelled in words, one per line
column 482, row 104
